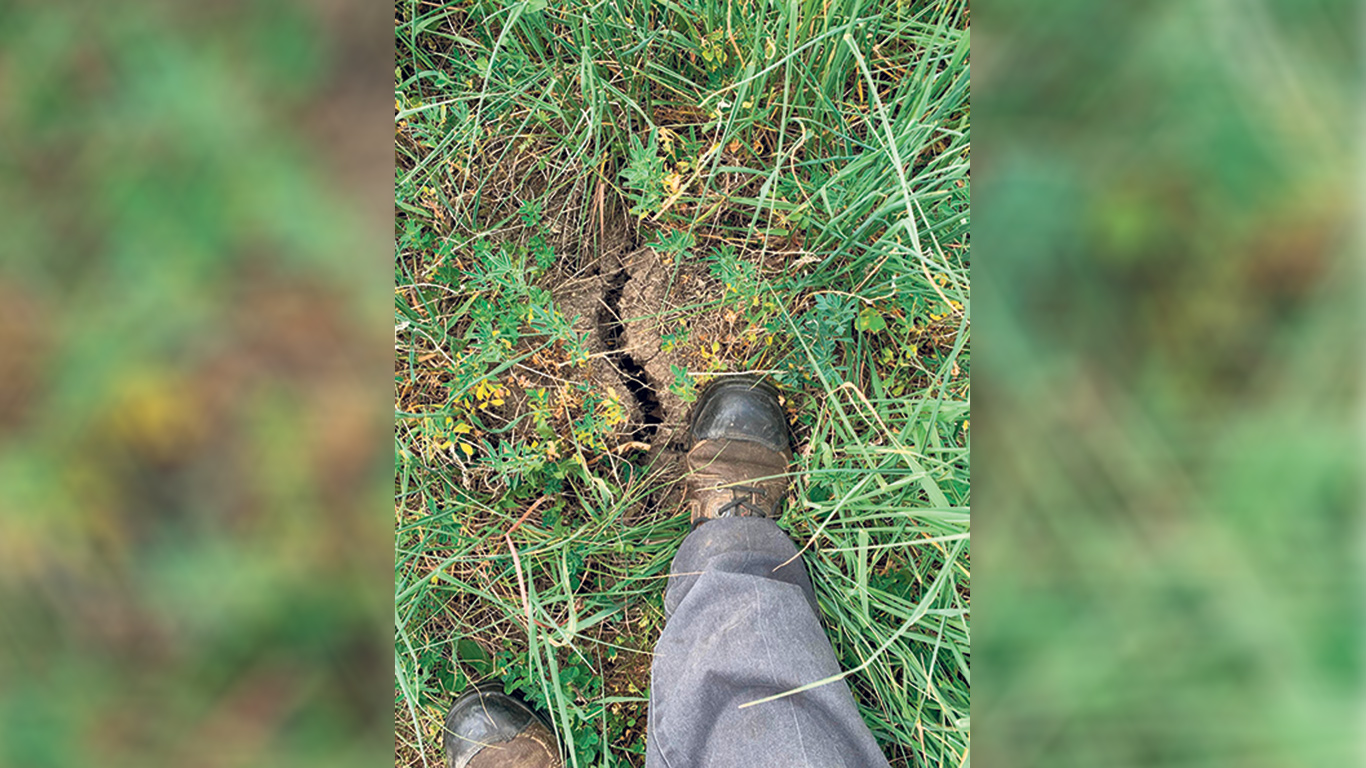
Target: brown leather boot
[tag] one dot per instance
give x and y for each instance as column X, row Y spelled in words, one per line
column 489, row 729
column 741, row 451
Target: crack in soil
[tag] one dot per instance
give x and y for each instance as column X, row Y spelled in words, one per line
column 612, row 331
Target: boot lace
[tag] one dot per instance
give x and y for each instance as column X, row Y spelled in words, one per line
column 741, row 496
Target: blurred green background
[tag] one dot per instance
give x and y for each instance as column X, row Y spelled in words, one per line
column 1168, row 371
column 194, row 384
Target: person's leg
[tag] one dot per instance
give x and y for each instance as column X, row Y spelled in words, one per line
column 741, row 624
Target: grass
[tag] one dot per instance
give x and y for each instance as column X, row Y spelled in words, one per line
column 802, row 169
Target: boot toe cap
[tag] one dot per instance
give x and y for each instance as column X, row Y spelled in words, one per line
column 741, row 408
column 479, row 718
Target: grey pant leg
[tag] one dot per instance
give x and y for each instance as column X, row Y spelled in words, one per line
column 738, row 630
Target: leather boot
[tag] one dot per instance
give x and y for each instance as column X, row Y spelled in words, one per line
column 741, row 451
column 489, row 729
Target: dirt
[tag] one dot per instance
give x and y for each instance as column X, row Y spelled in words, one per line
column 622, row 298
column 625, row 306
column 644, row 305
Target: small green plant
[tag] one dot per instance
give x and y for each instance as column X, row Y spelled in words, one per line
column 673, row 340
column 602, row 414
column 645, row 176
column 673, row 244
column 740, row 277
column 683, row 384
column 826, row 335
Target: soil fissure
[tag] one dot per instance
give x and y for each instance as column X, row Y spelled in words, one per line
column 612, row 330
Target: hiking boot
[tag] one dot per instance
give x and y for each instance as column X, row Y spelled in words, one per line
column 741, row 451
column 489, row 729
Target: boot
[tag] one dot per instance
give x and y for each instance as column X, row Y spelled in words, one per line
column 489, row 729
column 740, row 453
